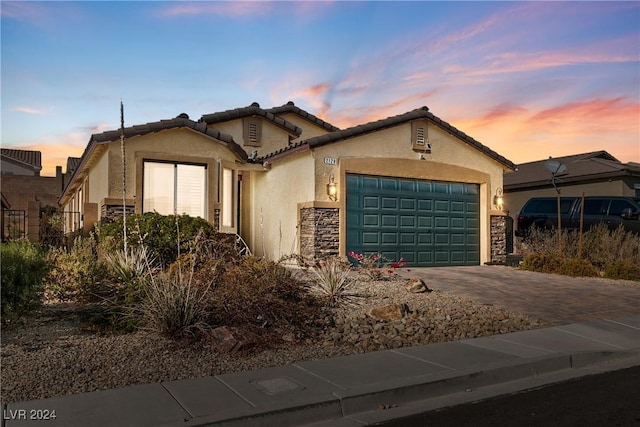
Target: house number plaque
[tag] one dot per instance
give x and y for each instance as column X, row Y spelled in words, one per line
column 330, row 161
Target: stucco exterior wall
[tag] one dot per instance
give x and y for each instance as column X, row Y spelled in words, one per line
column 309, row 130
column 275, row 199
column 98, row 185
column 273, row 137
column 10, row 168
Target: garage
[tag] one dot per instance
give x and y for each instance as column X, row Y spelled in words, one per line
column 428, row 223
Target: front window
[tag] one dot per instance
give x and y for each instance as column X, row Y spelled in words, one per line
column 175, row 188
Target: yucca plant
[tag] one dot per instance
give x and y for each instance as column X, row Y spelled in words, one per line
column 175, row 307
column 132, row 270
column 334, row 281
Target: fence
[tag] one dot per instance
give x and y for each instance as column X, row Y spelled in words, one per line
column 14, row 224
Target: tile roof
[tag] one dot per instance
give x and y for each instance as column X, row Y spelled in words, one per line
column 580, row 167
column 73, row 163
column 419, row 113
column 252, row 110
column 290, row 107
column 27, row 158
column 178, row 122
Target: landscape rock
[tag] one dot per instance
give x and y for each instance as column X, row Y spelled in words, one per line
column 43, row 358
column 231, row 340
column 416, row 286
column 389, row 312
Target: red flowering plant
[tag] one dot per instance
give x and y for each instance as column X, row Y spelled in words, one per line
column 375, row 266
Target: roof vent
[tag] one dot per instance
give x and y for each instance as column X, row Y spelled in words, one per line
column 183, row 116
column 290, row 103
column 255, row 104
column 425, row 108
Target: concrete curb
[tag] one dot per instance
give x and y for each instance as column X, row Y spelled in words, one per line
column 374, row 404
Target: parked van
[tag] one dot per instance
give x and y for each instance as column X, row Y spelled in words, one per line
column 542, row 212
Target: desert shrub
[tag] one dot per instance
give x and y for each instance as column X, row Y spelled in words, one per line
column 613, row 253
column 52, row 228
column 24, row 268
column 604, row 247
column 544, row 241
column 176, row 307
column 333, row 281
column 576, row 267
column 623, row 269
column 75, row 273
column 260, row 294
column 545, row 262
column 159, row 233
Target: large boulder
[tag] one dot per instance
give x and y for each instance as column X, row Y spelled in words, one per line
column 389, row 312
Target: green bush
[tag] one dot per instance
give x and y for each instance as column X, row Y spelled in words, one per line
column 24, row 268
column 577, row 267
column 159, row 233
column 622, row 270
column 543, row 262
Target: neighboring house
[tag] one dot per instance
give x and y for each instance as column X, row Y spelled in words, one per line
column 595, row 174
column 21, row 162
column 409, row 186
column 27, row 192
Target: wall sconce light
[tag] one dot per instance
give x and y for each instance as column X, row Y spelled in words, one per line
column 498, row 200
column 332, row 189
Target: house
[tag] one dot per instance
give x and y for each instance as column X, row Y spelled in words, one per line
column 595, row 174
column 26, row 192
column 409, row 186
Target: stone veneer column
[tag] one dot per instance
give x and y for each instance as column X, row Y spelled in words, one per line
column 319, row 233
column 498, row 239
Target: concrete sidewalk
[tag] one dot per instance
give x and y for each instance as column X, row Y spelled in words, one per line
column 354, row 390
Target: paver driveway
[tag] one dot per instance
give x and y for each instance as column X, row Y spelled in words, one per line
column 550, row 297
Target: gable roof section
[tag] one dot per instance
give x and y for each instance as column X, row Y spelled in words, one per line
column 182, row 121
column 73, row 163
column 290, row 107
column 252, row 110
column 591, row 166
column 26, row 158
column 419, row 113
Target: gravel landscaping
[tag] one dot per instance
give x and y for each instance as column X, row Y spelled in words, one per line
column 52, row 354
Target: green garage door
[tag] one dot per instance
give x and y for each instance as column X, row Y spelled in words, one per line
column 428, row 223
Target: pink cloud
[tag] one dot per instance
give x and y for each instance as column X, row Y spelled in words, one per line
column 27, row 110
column 347, row 117
column 584, row 117
column 522, row 135
column 223, row 8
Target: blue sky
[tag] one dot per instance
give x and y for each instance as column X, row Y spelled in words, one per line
column 528, row 79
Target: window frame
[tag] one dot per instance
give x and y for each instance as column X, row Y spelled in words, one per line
column 176, row 163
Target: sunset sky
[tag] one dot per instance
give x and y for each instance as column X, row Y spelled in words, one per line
column 528, row 79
